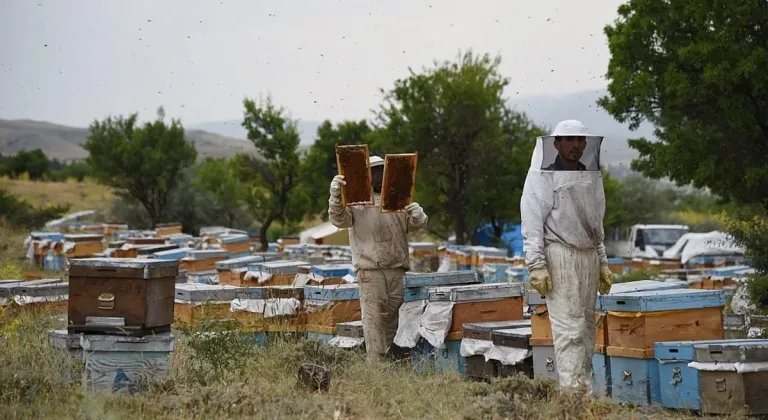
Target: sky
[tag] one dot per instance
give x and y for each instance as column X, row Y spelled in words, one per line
column 73, row 61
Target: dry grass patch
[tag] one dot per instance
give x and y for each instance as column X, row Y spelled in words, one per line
column 79, row 195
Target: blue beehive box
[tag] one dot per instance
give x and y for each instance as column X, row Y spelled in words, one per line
column 640, row 286
column 172, row 254
column 204, row 277
column 442, row 279
column 334, row 292
column 324, row 338
column 234, row 238
column 51, row 236
column 635, row 381
column 679, row 384
column 328, row 271
column 601, row 385
column 412, row 294
column 449, row 359
column 663, row 300
column 54, row 262
column 497, row 274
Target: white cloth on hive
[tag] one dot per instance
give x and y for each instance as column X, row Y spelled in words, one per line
column 435, row 323
column 346, row 342
column 409, row 321
column 474, row 347
column 508, row 356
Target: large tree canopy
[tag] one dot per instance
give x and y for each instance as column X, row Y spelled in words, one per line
column 141, row 162
column 455, row 116
column 695, row 69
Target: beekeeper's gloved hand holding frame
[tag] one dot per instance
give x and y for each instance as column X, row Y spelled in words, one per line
column 562, row 210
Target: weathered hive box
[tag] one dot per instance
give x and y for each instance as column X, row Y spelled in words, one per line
column 353, row 329
column 148, row 251
column 124, row 364
column 483, row 330
column 476, row 343
column 146, row 241
column 232, row 271
column 182, row 239
column 512, row 363
column 636, row 321
column 121, row 296
column 82, row 245
column 330, row 274
column 329, row 305
column 417, row 284
column 487, row 255
column 168, row 229
column 635, row 381
column 10, row 288
column 273, row 273
column 202, row 260
column 235, row 243
column 541, row 326
column 210, row 277
column 61, row 339
column 544, row 365
column 45, row 296
column 175, row 254
column 732, row 377
column 196, row 304
column 110, row 229
column 479, row 303
column 679, row 383
column 735, row 326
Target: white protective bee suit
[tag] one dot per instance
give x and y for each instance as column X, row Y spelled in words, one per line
column 562, row 226
column 380, row 258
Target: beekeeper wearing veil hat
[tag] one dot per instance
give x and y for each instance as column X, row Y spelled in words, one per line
column 562, row 210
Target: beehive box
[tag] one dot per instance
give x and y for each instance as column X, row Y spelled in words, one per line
column 235, row 243
column 138, row 292
column 10, row 288
column 352, row 329
column 210, row 277
column 42, row 297
column 202, row 260
column 168, row 229
column 635, row 381
column 329, row 305
column 273, row 273
column 172, row 254
column 476, row 365
column 544, row 364
column 124, row 364
column 487, row 255
column 82, row 245
column 148, row 251
column 732, row 378
column 232, row 271
column 329, row 274
column 417, row 284
column 196, row 304
column 479, row 303
column 146, row 241
column 637, row 320
column 514, row 338
column 679, row 383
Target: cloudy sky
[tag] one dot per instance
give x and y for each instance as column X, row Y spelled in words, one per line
column 70, row 61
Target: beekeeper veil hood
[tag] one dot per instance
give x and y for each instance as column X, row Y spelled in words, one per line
column 564, row 190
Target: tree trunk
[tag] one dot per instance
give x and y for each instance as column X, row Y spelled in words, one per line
column 263, row 234
column 461, row 228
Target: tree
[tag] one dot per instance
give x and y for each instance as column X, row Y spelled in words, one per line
column 141, row 162
column 616, row 214
column 34, row 163
column 272, row 194
column 454, row 116
column 218, row 178
column 319, row 166
column 696, row 71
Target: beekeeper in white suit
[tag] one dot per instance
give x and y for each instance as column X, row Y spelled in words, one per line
column 380, row 257
column 562, row 211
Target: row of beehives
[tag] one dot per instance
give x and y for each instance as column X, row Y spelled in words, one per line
column 644, row 353
column 622, row 266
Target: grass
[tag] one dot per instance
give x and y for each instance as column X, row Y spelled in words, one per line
column 225, row 376
column 79, row 195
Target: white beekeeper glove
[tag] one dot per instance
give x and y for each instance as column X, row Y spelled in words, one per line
column 336, row 184
column 416, row 212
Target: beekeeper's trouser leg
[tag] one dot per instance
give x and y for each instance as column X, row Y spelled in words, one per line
column 571, row 306
column 381, row 294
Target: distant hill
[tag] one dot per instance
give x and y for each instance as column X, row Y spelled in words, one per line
column 63, row 142
column 544, row 110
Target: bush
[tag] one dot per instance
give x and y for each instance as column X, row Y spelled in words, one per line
column 20, row 214
column 749, row 227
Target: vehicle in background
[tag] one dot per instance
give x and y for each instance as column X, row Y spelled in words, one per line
column 642, row 241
